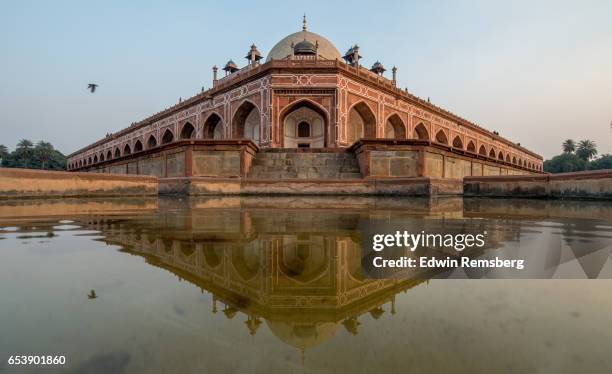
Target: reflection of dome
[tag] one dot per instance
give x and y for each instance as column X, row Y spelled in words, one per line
column 283, row 49
column 303, row 335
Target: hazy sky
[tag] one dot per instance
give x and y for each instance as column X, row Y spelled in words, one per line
column 538, row 72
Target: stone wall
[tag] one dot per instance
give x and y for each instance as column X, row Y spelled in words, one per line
column 20, row 183
column 589, row 184
column 389, row 158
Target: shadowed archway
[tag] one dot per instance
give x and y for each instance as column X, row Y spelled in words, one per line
column 441, row 137
column 168, row 137
column 127, row 150
column 395, row 128
column 482, row 151
column 213, row 128
column 420, row 132
column 188, row 131
column 471, row 147
column 151, row 142
column 245, row 124
column 138, row 146
column 457, row 143
column 361, row 123
column 308, row 117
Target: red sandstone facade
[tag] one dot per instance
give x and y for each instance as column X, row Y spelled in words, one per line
column 305, row 100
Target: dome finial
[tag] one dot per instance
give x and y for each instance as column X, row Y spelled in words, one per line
column 304, row 28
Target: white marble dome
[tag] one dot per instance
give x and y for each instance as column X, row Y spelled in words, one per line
column 283, row 48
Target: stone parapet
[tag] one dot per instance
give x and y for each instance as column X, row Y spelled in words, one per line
column 28, row 183
column 588, row 184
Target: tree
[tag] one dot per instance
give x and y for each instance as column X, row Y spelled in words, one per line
column 565, row 163
column 24, row 151
column 3, row 152
column 604, row 162
column 43, row 152
column 569, row 146
column 586, row 149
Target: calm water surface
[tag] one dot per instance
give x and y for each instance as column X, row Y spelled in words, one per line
column 274, row 285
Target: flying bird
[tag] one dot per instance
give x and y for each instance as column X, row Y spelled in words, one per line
column 92, row 295
column 92, row 87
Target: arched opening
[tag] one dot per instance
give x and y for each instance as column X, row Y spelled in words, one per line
column 457, row 143
column 492, row 153
column 151, row 142
column 246, row 120
column 188, row 131
column 168, row 137
column 101, row 157
column 508, row 158
column 303, row 125
column 395, row 128
column 441, row 137
column 213, row 129
column 420, row 132
column 89, row 161
column 80, row 163
column 109, row 155
column 127, row 150
column 117, row 153
column 303, row 129
column 471, row 147
column 514, row 160
column 138, row 146
column 500, row 156
column 95, row 159
column 361, row 123
column 520, row 162
column 482, row 150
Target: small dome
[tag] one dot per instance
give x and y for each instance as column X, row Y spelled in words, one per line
column 305, row 48
column 283, row 49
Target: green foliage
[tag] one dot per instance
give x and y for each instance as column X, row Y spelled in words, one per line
column 26, row 155
column 565, row 163
column 569, row 146
column 586, row 149
column 604, row 162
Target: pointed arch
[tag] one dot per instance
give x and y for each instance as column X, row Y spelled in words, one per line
column 138, row 146
column 514, row 160
column 101, row 156
column 95, row 159
column 127, row 150
column 457, row 143
column 151, row 142
column 441, row 137
column 188, row 131
column 117, row 153
column 492, row 153
column 520, row 162
column 89, row 161
column 420, row 132
column 482, row 150
column 471, row 147
column 361, row 122
column 395, row 127
column 246, row 122
column 317, row 118
column 507, row 158
column 213, row 127
column 109, row 154
column 500, row 156
column 168, row 137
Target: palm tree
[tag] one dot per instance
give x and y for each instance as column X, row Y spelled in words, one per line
column 569, row 146
column 586, row 149
column 24, row 149
column 44, row 151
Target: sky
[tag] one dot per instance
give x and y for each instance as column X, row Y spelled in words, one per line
column 538, row 72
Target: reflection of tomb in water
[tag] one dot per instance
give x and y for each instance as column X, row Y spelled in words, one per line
column 300, row 277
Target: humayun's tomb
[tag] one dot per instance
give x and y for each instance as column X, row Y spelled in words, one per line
column 306, row 119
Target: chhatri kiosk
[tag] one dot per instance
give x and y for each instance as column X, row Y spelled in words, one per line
column 307, row 119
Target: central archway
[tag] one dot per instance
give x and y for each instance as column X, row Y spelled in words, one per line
column 303, row 125
column 245, row 124
column 361, row 123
